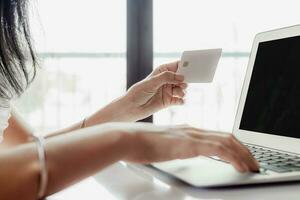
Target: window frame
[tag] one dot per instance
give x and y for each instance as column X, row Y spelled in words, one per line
column 139, row 42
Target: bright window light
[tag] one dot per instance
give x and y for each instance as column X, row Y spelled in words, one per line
column 82, row 48
column 192, row 24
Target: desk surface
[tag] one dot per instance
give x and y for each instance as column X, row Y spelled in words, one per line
column 124, row 182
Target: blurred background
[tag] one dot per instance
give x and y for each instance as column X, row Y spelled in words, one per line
column 82, row 49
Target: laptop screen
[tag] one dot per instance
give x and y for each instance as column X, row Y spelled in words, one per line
column 272, row 104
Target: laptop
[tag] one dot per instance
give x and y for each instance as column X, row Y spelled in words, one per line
column 267, row 119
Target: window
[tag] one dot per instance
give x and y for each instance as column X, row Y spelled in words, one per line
column 192, row 24
column 82, row 49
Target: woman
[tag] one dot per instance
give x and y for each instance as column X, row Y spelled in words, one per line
column 99, row 140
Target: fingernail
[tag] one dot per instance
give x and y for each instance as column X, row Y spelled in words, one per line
column 241, row 169
column 179, row 102
column 246, row 168
column 179, row 77
column 183, row 101
column 183, row 85
column 256, row 164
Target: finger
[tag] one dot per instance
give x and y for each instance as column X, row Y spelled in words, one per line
column 208, row 148
column 173, row 66
column 214, row 148
column 230, row 142
column 182, row 85
column 167, row 93
column 168, row 89
column 177, row 101
column 173, row 91
column 178, row 92
column 166, row 78
column 242, row 152
column 252, row 162
column 187, row 148
column 232, row 157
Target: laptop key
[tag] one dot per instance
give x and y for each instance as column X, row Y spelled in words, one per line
column 277, row 158
column 268, row 153
column 274, row 168
column 281, row 164
column 275, row 161
column 258, row 157
column 277, row 153
column 264, row 150
column 290, row 162
column 256, row 153
column 272, row 162
column 291, row 168
column 263, row 159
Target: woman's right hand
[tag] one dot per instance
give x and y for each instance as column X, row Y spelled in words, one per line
column 157, row 144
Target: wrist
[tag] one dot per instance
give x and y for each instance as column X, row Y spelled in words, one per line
column 126, row 139
column 128, row 142
column 120, row 110
column 129, row 110
column 132, row 147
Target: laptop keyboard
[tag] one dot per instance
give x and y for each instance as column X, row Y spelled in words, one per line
column 275, row 161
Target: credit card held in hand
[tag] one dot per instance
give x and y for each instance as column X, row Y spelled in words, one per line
column 199, row 66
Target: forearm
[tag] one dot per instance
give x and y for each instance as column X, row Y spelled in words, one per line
column 18, row 132
column 119, row 110
column 80, row 154
column 70, row 158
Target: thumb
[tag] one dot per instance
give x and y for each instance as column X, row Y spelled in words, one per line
column 166, row 77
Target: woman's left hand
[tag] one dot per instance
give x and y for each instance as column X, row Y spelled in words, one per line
column 161, row 89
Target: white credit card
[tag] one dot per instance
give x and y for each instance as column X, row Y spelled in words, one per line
column 199, row 66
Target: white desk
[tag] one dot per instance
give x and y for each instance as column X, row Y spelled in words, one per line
column 120, row 182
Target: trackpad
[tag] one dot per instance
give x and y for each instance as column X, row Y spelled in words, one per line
column 203, row 172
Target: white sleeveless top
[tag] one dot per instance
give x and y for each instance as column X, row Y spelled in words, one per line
column 4, row 115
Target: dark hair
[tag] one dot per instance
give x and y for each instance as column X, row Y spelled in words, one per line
column 16, row 50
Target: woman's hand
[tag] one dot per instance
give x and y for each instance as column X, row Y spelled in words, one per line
column 161, row 89
column 156, row 144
